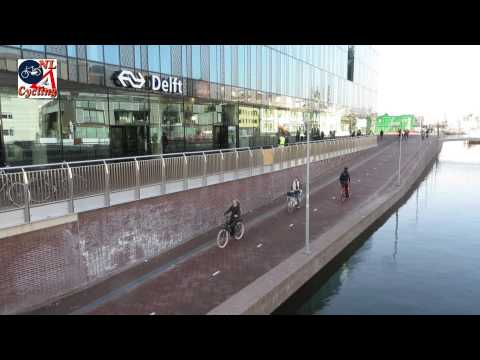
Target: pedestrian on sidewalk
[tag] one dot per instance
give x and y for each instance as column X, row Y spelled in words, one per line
column 322, row 135
column 381, row 135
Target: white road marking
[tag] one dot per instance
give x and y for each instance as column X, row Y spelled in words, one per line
column 216, row 273
column 152, row 313
column 259, row 245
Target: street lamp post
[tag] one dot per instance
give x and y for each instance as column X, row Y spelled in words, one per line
column 307, row 199
column 400, row 155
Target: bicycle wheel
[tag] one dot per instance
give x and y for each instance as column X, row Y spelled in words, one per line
column 41, row 191
column 16, row 194
column 239, row 230
column 222, row 238
column 290, row 205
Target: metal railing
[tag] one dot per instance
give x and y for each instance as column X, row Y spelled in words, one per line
column 31, row 186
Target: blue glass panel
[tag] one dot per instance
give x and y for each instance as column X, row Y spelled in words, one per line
column 253, row 66
column 196, row 72
column 153, row 58
column 241, row 65
column 95, row 52
column 72, row 50
column 228, row 65
column 112, row 55
column 213, row 64
column 138, row 62
column 264, row 68
column 34, row 47
column 165, row 57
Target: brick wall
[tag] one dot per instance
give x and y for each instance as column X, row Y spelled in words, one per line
column 42, row 265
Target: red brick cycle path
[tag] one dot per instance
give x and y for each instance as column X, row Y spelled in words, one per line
column 207, row 275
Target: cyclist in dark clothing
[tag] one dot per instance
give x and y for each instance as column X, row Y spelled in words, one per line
column 345, row 181
column 236, row 212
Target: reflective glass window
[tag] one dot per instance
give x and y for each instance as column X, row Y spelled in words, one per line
column 31, row 129
column 138, row 62
column 112, row 55
column 228, row 65
column 34, row 47
column 166, row 61
column 274, row 72
column 196, row 72
column 95, row 52
column 213, row 63
column 241, row 65
column 253, row 66
column 72, row 50
column 153, row 58
column 264, row 68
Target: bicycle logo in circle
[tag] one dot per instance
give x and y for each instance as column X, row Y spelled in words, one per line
column 37, row 78
column 30, row 71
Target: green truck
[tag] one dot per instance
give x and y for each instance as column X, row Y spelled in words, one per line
column 389, row 123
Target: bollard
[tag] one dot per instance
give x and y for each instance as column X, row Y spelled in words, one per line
column 26, row 194
column 222, row 167
column 185, row 172
column 163, row 185
column 137, row 180
column 70, row 189
column 236, row 164
column 107, row 185
column 281, row 157
column 204, row 178
column 250, row 161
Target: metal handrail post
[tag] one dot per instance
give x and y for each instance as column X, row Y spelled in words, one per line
column 26, row 194
column 262, row 168
column 298, row 161
column 137, row 180
column 250, row 161
column 163, row 186
column 107, row 185
column 185, row 172
column 70, row 189
column 222, row 167
column 236, row 164
column 281, row 157
column 204, row 178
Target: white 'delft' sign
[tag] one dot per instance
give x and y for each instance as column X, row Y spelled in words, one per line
column 126, row 78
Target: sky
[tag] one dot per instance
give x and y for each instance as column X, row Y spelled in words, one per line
column 430, row 80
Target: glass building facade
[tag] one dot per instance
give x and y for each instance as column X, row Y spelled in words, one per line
column 233, row 96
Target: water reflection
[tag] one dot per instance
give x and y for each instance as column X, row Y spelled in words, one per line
column 438, row 271
column 396, row 236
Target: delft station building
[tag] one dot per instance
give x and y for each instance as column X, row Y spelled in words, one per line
column 132, row 100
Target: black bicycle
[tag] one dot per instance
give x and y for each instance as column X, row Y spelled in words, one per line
column 224, row 233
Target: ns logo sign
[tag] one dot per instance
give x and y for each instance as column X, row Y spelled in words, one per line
column 128, row 79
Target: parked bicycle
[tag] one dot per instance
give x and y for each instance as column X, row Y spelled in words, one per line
column 40, row 190
column 237, row 232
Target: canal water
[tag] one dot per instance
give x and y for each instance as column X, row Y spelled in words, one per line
column 422, row 258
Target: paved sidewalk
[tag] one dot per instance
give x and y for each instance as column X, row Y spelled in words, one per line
column 206, row 275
